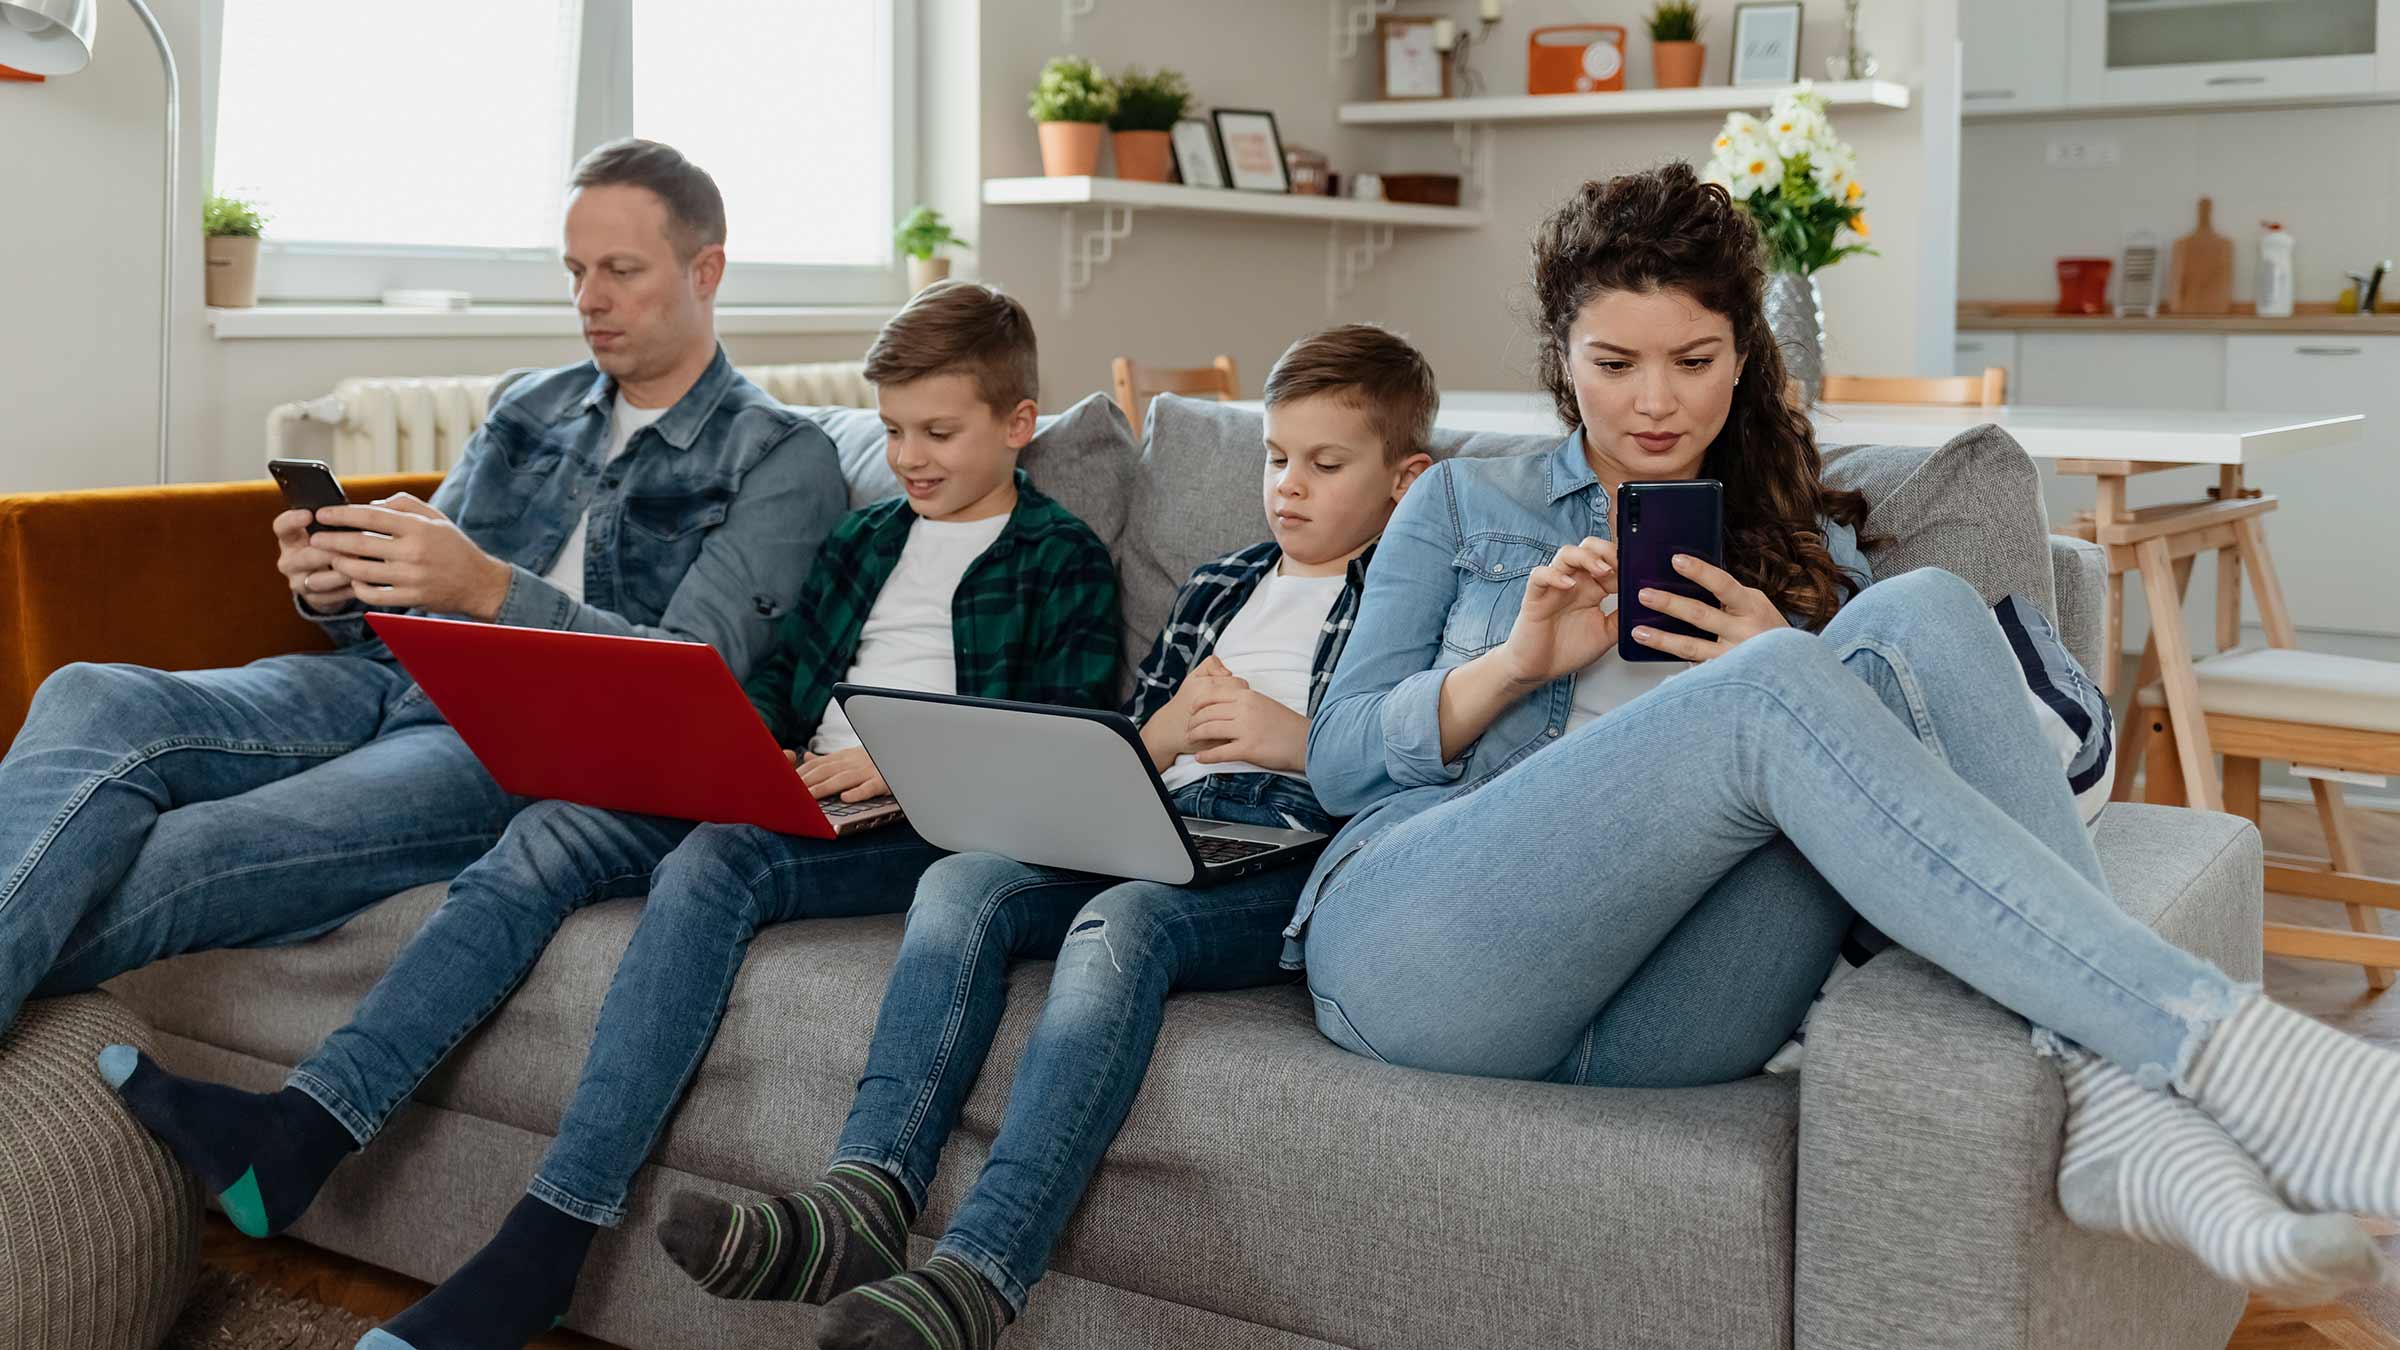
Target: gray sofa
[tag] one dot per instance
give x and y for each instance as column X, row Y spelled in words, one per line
column 1270, row 1190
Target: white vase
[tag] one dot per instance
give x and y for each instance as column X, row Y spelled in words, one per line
column 1796, row 316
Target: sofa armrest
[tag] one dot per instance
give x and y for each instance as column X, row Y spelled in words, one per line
column 1927, row 1212
column 180, row 577
column 2082, row 572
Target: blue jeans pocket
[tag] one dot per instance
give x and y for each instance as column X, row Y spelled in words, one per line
column 1334, row 1025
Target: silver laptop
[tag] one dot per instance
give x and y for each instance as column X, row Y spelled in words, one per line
column 1060, row 787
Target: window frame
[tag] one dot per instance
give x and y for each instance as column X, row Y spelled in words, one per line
column 310, row 272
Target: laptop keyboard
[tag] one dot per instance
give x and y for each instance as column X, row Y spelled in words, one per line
column 838, row 810
column 1214, row 851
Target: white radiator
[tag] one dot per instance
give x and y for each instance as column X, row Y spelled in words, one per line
column 421, row 425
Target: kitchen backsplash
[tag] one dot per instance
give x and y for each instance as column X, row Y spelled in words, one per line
column 2329, row 174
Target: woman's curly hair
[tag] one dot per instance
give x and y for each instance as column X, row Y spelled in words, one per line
column 1666, row 230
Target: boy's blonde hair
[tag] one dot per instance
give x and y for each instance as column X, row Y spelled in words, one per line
column 966, row 328
column 1374, row 370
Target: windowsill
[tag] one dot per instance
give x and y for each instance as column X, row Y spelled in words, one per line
column 489, row 321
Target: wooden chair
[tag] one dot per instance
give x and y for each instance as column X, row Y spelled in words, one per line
column 1137, row 383
column 1988, row 390
column 2294, row 707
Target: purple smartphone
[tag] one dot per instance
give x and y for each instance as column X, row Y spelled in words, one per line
column 1654, row 522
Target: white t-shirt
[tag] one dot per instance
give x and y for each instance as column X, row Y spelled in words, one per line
column 1612, row 682
column 906, row 643
column 1272, row 643
column 626, row 419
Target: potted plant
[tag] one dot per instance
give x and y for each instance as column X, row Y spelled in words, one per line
column 1677, row 54
column 1799, row 181
column 232, row 226
column 1148, row 107
column 1070, row 102
column 922, row 236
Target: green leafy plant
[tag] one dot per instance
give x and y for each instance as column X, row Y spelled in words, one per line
column 1675, row 21
column 231, row 217
column 1072, row 89
column 1150, row 102
column 924, row 233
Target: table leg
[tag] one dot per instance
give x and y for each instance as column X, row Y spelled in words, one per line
column 2133, row 721
column 2229, row 569
column 2264, row 584
column 2112, row 635
column 2195, row 753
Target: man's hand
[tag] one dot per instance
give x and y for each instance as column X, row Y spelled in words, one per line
column 307, row 569
column 1245, row 726
column 847, row 774
column 1168, row 733
column 402, row 554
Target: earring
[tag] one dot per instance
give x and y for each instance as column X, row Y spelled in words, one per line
column 1737, row 379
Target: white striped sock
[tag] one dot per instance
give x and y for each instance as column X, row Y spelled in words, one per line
column 2318, row 1109
column 2149, row 1165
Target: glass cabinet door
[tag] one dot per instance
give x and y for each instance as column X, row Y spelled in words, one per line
column 2149, row 33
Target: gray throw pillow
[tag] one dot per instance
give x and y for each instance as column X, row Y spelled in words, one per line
column 1972, row 506
column 1082, row 457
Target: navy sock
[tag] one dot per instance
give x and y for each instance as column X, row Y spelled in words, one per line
column 263, row 1155
column 513, row 1290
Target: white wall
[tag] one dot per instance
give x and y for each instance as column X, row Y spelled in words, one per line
column 2329, row 174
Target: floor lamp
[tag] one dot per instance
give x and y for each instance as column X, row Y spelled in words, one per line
column 54, row 37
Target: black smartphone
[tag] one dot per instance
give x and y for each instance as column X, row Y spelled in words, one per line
column 307, row 485
column 1654, row 522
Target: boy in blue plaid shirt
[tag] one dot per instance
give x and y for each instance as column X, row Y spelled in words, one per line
column 1223, row 702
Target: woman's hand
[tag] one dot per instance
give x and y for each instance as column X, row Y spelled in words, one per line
column 847, row 774
column 1561, row 626
column 1741, row 613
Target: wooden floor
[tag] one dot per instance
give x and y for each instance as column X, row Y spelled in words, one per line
column 2336, row 993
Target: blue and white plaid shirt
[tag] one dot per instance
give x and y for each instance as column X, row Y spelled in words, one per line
column 1208, row 601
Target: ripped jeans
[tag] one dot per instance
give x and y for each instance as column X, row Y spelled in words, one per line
column 1121, row 948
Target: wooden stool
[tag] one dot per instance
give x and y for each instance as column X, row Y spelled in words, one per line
column 2307, row 708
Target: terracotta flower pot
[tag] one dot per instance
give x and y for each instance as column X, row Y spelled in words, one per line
column 1145, row 156
column 232, row 271
column 1677, row 65
column 1070, row 149
column 923, row 272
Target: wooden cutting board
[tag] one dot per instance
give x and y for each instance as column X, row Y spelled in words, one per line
column 2203, row 265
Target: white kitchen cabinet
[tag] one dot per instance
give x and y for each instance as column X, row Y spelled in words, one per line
column 1982, row 348
column 2014, row 54
column 2331, row 532
column 2119, row 370
column 2147, row 52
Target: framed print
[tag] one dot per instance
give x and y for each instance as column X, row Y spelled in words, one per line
column 1197, row 160
column 1412, row 60
column 1766, row 43
column 1253, row 150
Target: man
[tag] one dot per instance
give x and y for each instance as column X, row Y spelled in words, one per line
column 648, row 491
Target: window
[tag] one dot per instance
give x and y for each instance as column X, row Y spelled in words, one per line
column 394, row 150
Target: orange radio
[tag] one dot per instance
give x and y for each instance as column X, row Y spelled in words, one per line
column 1575, row 58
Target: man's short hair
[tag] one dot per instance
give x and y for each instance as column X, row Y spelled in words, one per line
column 964, row 328
column 695, row 209
column 1372, row 369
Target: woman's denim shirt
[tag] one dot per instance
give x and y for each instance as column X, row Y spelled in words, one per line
column 1444, row 588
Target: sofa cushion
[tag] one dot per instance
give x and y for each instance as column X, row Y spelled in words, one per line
column 1972, row 506
column 1082, row 457
column 1263, row 1172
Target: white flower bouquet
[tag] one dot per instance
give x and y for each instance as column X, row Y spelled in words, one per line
column 1796, row 179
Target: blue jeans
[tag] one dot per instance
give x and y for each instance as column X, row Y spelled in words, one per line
column 710, row 887
column 147, row 813
column 1950, row 828
column 1122, row 947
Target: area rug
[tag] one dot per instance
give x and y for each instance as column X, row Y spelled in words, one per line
column 234, row 1312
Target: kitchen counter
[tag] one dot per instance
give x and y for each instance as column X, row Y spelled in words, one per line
column 1975, row 320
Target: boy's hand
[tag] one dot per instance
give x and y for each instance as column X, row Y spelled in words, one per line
column 1168, row 733
column 422, row 560
column 1245, row 725
column 847, row 774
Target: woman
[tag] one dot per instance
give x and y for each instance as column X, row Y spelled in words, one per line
column 1552, row 848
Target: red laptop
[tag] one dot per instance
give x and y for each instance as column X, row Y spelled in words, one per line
column 630, row 724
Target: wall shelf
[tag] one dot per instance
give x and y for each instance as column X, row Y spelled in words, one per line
column 1357, row 233
column 1622, row 103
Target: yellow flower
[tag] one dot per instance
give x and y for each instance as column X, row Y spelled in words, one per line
column 1858, row 225
column 1854, row 194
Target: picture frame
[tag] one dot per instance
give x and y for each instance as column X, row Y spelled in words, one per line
column 1409, row 63
column 1199, row 161
column 1253, row 150
column 1766, row 42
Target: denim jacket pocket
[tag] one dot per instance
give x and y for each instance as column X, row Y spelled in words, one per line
column 1491, row 587
column 673, row 517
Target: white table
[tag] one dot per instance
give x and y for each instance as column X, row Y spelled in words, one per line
column 2110, row 445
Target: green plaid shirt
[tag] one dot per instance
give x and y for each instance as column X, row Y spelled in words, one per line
column 1034, row 619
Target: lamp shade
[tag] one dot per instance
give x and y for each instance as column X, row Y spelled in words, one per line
column 47, row 37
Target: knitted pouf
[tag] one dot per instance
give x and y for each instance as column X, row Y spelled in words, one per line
column 99, row 1228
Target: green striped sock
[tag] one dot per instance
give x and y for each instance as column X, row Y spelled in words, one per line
column 848, row 1228
column 942, row 1305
